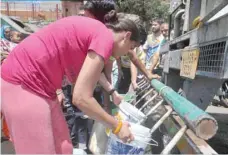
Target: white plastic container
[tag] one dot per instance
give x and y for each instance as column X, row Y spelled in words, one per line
column 142, row 138
column 98, row 139
column 130, row 113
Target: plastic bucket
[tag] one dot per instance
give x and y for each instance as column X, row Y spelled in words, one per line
column 142, row 137
column 98, row 139
column 130, row 113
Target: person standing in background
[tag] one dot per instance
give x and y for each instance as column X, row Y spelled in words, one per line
column 136, row 75
column 152, row 45
column 5, row 32
column 124, row 63
column 16, row 37
column 9, row 40
column 165, row 32
column 6, row 45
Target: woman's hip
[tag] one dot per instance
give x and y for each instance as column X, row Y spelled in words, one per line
column 17, row 99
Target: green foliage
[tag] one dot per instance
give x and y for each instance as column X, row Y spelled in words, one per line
column 147, row 9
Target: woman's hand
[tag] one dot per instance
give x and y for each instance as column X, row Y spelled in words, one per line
column 153, row 76
column 125, row 134
column 135, row 85
column 117, row 98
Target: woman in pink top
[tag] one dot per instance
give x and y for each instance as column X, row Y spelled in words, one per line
column 77, row 47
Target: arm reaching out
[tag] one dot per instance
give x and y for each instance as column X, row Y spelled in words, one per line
column 103, row 81
column 134, row 59
column 99, row 50
column 155, row 60
column 132, row 55
column 84, row 100
column 83, row 90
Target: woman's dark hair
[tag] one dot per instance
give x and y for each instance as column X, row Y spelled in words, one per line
column 139, row 24
column 125, row 25
column 104, row 11
column 100, row 9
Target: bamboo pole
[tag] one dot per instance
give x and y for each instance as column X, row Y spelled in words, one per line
column 204, row 125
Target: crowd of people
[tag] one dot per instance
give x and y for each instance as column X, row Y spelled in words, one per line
column 9, row 40
column 71, row 68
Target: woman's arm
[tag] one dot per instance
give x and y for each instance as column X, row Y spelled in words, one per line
column 134, row 59
column 83, row 96
column 155, row 60
column 134, row 73
column 103, row 81
column 84, row 87
column 108, row 70
column 133, row 56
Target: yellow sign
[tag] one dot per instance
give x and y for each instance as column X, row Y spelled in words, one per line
column 189, row 63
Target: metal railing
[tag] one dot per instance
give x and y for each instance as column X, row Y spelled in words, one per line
column 28, row 10
column 202, row 124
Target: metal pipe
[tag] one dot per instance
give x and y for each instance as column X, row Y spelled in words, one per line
column 142, row 83
column 161, row 120
column 174, row 141
column 177, row 18
column 143, row 96
column 7, row 9
column 143, row 90
column 204, row 125
column 57, row 11
column 33, row 11
column 147, row 102
column 151, row 110
column 155, row 107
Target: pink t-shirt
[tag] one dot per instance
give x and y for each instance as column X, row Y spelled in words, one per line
column 40, row 62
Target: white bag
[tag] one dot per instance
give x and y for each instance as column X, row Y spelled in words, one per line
column 130, row 113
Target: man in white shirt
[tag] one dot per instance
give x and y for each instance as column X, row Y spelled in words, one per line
column 152, row 45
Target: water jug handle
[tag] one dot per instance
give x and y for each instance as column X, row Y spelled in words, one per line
column 152, row 144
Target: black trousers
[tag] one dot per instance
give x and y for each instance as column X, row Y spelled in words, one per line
column 125, row 81
column 78, row 126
